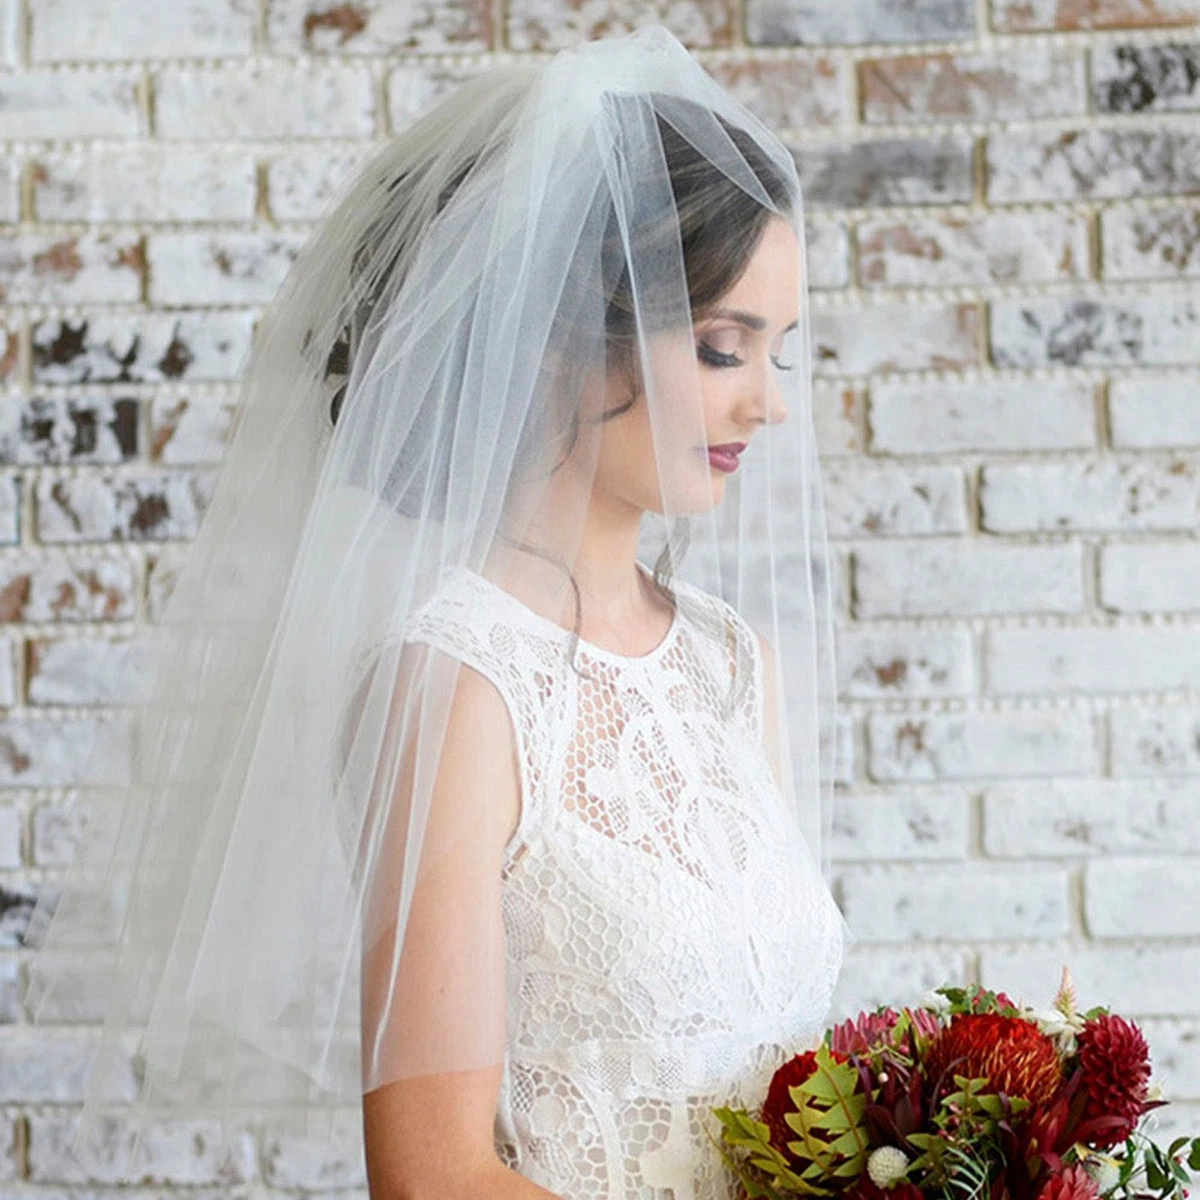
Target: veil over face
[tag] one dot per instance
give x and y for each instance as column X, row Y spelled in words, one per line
column 498, row 326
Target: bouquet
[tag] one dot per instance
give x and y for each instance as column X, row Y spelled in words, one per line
column 968, row 1096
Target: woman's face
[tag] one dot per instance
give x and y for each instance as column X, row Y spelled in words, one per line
column 716, row 390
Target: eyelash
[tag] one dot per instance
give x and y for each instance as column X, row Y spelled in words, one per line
column 715, row 358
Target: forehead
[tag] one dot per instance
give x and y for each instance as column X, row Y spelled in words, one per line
column 771, row 279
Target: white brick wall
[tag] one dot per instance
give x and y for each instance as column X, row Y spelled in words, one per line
column 1004, row 249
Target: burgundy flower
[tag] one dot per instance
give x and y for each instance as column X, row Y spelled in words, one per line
column 1074, row 1183
column 779, row 1103
column 1115, row 1062
column 867, row 1189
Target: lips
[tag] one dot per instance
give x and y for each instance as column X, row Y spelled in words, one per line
column 725, row 456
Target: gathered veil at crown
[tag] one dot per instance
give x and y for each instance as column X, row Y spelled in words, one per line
column 258, row 821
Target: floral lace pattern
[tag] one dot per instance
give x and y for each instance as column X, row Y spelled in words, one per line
column 668, row 941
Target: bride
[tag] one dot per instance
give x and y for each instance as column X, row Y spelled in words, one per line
column 482, row 773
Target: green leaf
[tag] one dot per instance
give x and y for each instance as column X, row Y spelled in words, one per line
column 1194, row 1157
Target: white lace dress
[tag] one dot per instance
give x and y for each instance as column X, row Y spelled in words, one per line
column 650, row 839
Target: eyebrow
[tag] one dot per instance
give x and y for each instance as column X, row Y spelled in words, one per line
column 750, row 320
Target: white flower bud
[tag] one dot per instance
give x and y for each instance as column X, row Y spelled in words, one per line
column 935, row 1002
column 886, row 1166
column 1104, row 1171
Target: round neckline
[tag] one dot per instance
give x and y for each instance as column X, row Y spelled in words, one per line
column 594, row 651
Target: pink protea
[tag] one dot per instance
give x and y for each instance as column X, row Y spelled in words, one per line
column 873, row 1030
column 1074, row 1183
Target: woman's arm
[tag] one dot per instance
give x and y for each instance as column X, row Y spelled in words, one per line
column 429, row 1132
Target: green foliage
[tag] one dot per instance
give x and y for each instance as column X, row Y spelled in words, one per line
column 1148, row 1172
column 832, row 1140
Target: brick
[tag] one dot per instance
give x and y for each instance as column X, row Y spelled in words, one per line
column 883, row 501
column 50, row 1066
column 844, row 752
column 901, row 825
column 1155, row 741
column 997, row 414
column 68, row 992
column 1175, row 1054
column 43, row 268
column 219, row 268
column 992, row 248
column 56, row 829
column 266, row 100
column 870, row 174
column 1162, row 243
column 302, row 184
column 895, row 337
column 1028, row 16
column 379, row 27
column 411, row 88
column 52, row 590
column 17, row 902
column 808, row 22
column 827, row 255
column 1091, row 660
column 10, row 188
column 875, row 664
column 104, row 507
column 310, row 1163
column 162, row 574
column 84, row 670
column 1142, row 897
column 141, row 348
column 799, row 93
column 10, row 508
column 1029, row 81
column 59, row 31
column 976, row 745
column 8, row 681
column 54, row 104
column 1150, row 577
column 55, row 753
column 1132, row 79
column 1100, row 495
column 1097, row 163
column 1134, row 981
column 1175, row 1121
column 175, row 1152
column 1155, row 410
column 551, row 25
column 838, row 418
column 191, row 429
column 875, row 975
column 975, row 902
column 10, row 841
column 145, row 184
column 1069, row 818
column 953, row 577
column 1113, row 331
column 66, row 430
column 10, row 1011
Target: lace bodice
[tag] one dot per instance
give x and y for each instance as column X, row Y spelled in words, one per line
column 667, row 944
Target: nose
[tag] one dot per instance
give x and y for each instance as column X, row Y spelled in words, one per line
column 763, row 402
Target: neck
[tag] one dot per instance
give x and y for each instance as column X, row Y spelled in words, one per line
column 595, row 536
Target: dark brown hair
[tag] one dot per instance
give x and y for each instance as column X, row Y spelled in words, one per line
column 719, row 226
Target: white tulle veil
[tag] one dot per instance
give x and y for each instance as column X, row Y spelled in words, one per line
column 270, row 821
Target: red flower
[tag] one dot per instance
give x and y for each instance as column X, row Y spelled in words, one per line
column 778, row 1103
column 1011, row 1053
column 867, row 1189
column 1074, row 1183
column 1115, row 1062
